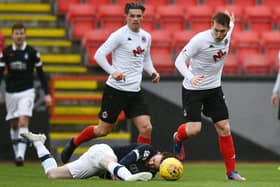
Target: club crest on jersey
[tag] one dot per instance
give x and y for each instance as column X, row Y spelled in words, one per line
column 138, row 51
column 226, row 41
column 219, row 55
column 104, row 115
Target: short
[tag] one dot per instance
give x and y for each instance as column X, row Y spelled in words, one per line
column 19, row 103
column 88, row 164
column 114, row 101
column 211, row 102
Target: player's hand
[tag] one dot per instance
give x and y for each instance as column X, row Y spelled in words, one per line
column 231, row 15
column 274, row 99
column 155, row 77
column 118, row 76
column 48, row 100
column 197, row 79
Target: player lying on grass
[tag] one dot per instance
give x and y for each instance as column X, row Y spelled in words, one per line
column 129, row 163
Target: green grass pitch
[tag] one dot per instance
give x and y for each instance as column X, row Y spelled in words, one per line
column 196, row 174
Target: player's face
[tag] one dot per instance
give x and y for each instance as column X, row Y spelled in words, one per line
column 18, row 36
column 134, row 19
column 154, row 162
column 219, row 31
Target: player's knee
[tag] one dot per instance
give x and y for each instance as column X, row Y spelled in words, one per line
column 146, row 128
column 51, row 175
column 193, row 130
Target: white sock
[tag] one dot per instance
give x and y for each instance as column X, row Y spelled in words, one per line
column 21, row 145
column 42, row 151
column 14, row 136
column 122, row 172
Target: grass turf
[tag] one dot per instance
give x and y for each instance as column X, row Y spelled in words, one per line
column 195, row 175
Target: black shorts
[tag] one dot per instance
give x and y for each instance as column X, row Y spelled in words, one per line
column 211, row 102
column 114, row 101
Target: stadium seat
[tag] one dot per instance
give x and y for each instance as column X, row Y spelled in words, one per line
column 149, row 18
column 198, row 18
column 2, row 41
column 231, row 66
column 238, row 14
column 276, row 17
column 244, row 3
column 98, row 3
column 270, row 43
column 111, row 17
column 180, row 39
column 170, row 16
column 161, row 50
column 245, row 42
column 258, row 18
column 156, row 3
column 270, row 3
column 215, row 3
column 81, row 17
column 185, row 2
column 61, row 6
column 255, row 64
column 91, row 42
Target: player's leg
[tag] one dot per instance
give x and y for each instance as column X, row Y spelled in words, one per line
column 192, row 112
column 23, row 122
column 137, row 110
column 48, row 162
column 112, row 103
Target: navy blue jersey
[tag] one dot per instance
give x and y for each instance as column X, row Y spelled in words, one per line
column 20, row 64
column 134, row 157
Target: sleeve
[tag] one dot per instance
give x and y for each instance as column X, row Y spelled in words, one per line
column 148, row 64
column 185, row 55
column 277, row 82
column 2, row 65
column 106, row 48
column 141, row 152
column 40, row 73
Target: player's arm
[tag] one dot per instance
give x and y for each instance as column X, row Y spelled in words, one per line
column 2, row 65
column 140, row 152
column 42, row 78
column 149, row 67
column 275, row 91
column 106, row 48
column 184, row 56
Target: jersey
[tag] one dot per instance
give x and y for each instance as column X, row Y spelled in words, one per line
column 130, row 53
column 276, row 88
column 207, row 58
column 20, row 65
column 143, row 151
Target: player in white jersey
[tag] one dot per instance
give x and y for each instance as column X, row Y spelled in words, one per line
column 130, row 50
column 202, row 90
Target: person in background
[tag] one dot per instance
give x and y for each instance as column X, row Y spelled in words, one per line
column 130, row 49
column 128, row 163
column 21, row 59
column 202, row 91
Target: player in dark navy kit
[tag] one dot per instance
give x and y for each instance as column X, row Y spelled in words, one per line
column 129, row 163
column 20, row 60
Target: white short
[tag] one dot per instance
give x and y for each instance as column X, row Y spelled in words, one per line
column 88, row 164
column 19, row 103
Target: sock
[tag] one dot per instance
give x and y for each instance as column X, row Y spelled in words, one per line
column 181, row 133
column 47, row 160
column 22, row 143
column 86, row 134
column 142, row 140
column 118, row 170
column 228, row 152
column 14, row 137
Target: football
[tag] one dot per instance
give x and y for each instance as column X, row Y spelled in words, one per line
column 171, row 169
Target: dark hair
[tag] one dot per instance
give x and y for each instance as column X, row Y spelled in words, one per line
column 133, row 5
column 221, row 18
column 166, row 155
column 18, row 26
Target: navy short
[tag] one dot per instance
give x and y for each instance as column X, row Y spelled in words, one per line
column 114, row 101
column 211, row 102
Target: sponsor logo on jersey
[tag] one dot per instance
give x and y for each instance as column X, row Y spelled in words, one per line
column 18, row 65
column 219, row 55
column 138, row 51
